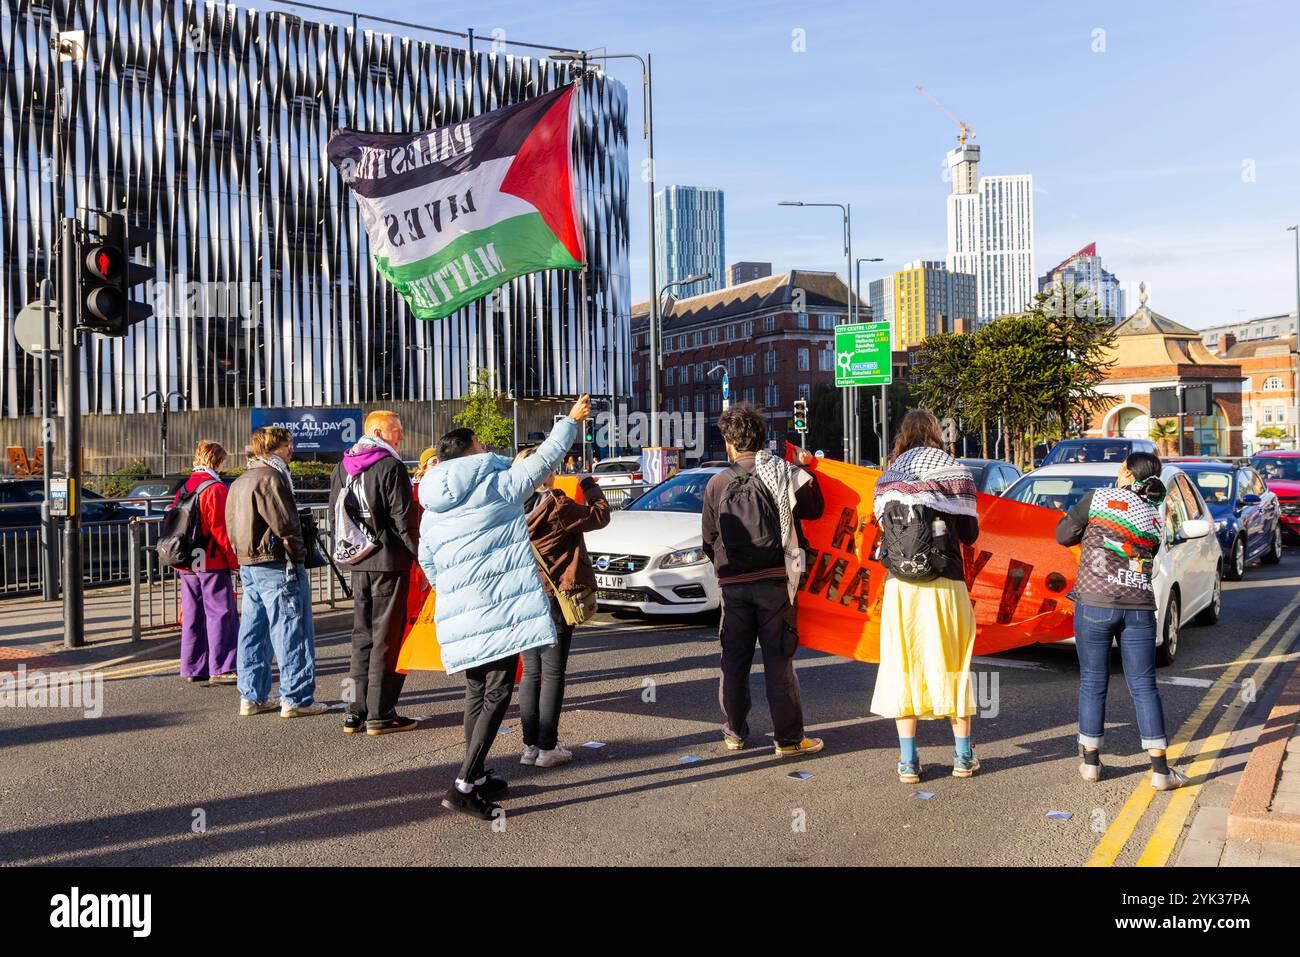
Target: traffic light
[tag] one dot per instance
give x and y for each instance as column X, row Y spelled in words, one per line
column 107, row 278
column 801, row 415
column 589, row 430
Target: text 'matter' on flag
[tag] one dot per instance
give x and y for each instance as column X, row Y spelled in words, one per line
column 453, row 213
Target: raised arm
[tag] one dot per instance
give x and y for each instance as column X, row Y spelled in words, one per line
column 519, row 481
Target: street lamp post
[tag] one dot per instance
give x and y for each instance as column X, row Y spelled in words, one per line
column 882, row 426
column 648, row 134
column 849, row 404
column 163, row 400
column 1295, row 377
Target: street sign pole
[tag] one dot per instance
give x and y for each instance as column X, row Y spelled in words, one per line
column 73, row 597
column 49, row 529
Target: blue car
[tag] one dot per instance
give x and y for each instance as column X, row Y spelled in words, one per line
column 1247, row 517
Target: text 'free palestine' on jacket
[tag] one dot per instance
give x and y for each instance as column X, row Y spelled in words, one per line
column 385, row 491
column 262, row 518
column 1120, row 534
column 475, row 551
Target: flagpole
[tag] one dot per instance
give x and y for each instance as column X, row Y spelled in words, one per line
column 583, row 318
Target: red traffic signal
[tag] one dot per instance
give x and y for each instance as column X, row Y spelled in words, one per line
column 104, row 263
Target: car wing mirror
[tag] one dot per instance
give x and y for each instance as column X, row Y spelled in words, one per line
column 1193, row 528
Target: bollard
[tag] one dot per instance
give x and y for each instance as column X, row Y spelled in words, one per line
column 133, row 573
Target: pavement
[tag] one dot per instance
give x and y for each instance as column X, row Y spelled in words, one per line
column 167, row 773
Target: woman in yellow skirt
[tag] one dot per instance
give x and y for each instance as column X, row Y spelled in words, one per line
column 925, row 506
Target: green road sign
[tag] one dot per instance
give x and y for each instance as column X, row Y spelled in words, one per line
column 862, row 354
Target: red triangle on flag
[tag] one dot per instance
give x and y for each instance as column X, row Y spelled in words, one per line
column 542, row 175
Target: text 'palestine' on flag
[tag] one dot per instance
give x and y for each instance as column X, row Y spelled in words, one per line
column 453, row 213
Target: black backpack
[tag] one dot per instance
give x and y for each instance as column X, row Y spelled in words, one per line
column 749, row 525
column 181, row 533
column 909, row 549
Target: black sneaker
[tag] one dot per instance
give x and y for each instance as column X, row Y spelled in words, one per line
column 494, row 787
column 195, row 679
column 389, row 725
column 473, row 804
column 353, row 722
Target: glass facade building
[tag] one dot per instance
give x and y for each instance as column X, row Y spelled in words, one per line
column 207, row 123
column 689, row 238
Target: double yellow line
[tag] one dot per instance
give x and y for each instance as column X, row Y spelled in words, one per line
column 1170, row 824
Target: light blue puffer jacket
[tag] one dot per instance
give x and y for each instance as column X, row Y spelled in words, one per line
column 474, row 548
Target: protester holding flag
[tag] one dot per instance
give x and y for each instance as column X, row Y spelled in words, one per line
column 750, row 528
column 925, row 506
column 1119, row 529
column 476, row 553
column 266, row 534
column 372, row 481
column 556, row 524
column 209, row 616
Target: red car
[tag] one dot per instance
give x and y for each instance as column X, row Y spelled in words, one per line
column 1281, row 472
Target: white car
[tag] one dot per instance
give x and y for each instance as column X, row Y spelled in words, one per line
column 615, row 472
column 650, row 557
column 1188, row 567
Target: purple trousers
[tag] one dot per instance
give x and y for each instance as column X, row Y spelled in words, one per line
column 209, row 624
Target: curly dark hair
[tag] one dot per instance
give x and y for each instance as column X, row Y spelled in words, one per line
column 742, row 425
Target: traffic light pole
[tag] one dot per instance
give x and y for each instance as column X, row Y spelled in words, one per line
column 73, row 596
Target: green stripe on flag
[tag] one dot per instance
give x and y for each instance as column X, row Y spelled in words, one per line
column 471, row 266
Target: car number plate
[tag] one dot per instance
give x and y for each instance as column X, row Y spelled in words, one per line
column 609, row 581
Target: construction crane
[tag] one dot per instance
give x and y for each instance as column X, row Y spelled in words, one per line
column 965, row 130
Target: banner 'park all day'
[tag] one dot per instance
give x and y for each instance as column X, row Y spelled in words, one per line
column 455, row 212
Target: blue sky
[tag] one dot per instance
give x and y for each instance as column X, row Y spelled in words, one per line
column 1172, row 138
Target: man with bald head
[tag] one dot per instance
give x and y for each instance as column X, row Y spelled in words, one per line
column 378, row 497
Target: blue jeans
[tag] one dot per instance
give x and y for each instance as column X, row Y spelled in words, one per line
column 1094, row 628
column 276, row 616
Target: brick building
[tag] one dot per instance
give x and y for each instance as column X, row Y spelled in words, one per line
column 1152, row 351
column 775, row 336
column 1268, row 387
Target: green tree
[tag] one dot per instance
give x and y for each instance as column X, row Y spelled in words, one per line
column 1164, row 433
column 483, row 414
column 942, row 369
column 1078, row 340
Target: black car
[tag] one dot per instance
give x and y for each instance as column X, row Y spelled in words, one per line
column 992, row 476
column 1071, row 451
column 21, row 500
column 160, row 491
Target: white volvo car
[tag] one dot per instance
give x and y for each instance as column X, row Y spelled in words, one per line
column 650, row 557
column 1188, row 567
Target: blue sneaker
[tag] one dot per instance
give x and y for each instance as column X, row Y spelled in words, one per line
column 964, row 765
column 909, row 772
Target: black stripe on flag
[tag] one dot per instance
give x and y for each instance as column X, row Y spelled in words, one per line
column 367, row 160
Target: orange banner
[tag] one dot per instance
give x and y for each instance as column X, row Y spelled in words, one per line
column 1017, row 574
column 420, row 650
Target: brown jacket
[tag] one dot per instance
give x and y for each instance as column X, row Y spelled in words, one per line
column 555, row 525
column 262, row 518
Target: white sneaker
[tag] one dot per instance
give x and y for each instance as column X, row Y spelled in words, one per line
column 305, row 710
column 1168, row 782
column 530, row 754
column 549, row 759
column 248, row 708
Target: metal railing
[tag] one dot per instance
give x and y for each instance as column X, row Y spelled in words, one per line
column 621, row 496
column 155, row 590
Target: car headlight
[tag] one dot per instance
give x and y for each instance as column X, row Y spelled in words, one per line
column 685, row 556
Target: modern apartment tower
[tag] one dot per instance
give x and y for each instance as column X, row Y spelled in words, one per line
column 991, row 234
column 689, row 238
column 1084, row 269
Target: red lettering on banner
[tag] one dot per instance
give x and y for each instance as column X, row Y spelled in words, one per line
column 842, row 539
column 1012, row 589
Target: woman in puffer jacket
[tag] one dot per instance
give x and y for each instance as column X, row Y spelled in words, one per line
column 475, row 551
column 555, row 525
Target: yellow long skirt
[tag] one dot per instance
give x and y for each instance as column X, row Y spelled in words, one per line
column 927, row 634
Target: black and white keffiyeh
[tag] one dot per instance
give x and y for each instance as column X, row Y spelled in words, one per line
column 925, row 476
column 782, row 480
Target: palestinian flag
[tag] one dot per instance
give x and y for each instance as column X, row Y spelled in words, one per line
column 455, row 212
